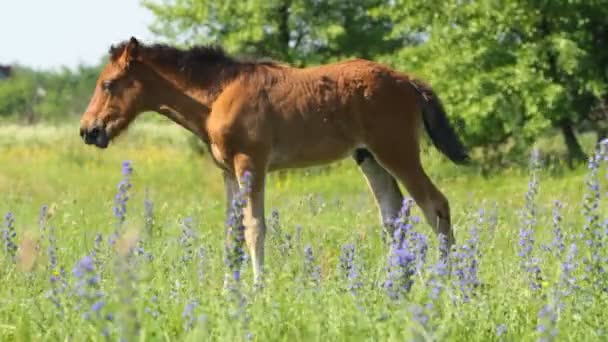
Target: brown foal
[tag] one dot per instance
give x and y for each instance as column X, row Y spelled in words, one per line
column 264, row 116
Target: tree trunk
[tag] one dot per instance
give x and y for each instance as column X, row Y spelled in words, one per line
column 575, row 151
column 284, row 36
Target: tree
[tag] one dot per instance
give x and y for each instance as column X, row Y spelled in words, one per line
column 18, row 93
column 510, row 70
column 294, row 31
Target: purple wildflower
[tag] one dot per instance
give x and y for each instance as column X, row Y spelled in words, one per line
column 187, row 239
column 201, row 265
column 547, row 323
column 407, row 253
column 529, row 262
column 438, row 274
column 548, row 315
column 298, row 233
column 501, row 329
column 465, row 267
column 87, row 288
column 567, row 280
column 420, row 315
column 155, row 307
column 312, row 271
column 121, row 198
column 401, row 266
column 235, row 231
column 189, row 315
column 58, row 279
column 42, row 218
column 286, row 245
column 149, row 219
column 96, row 253
column 594, row 238
column 8, row 235
column 348, row 268
column 274, row 226
column 557, row 246
column 140, row 250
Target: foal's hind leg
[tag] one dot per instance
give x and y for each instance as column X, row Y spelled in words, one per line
column 382, row 184
column 408, row 169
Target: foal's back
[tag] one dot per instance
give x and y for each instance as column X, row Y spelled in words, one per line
column 321, row 114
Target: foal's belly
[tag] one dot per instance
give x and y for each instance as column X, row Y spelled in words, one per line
column 300, row 150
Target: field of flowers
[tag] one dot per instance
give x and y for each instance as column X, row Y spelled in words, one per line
column 128, row 244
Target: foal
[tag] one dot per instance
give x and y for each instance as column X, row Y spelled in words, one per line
column 261, row 116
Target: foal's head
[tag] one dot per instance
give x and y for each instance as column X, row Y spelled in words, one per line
column 118, row 97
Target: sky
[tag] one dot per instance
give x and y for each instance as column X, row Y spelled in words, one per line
column 49, row 34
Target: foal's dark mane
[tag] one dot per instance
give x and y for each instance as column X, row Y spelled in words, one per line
column 194, row 60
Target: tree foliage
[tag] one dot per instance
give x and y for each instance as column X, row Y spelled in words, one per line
column 296, row 31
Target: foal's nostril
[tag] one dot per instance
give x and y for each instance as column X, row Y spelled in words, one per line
column 95, row 132
column 82, row 132
column 90, row 136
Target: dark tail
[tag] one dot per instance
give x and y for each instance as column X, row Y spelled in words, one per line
column 438, row 126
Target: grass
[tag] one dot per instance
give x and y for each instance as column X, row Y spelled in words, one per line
column 178, row 294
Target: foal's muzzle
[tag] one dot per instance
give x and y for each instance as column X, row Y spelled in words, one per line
column 95, row 135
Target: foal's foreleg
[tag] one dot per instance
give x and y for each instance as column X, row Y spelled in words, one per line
column 251, row 178
column 382, row 184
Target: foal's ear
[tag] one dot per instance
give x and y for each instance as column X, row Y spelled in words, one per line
column 129, row 54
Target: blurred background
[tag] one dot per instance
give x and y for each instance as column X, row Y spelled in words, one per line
column 512, row 74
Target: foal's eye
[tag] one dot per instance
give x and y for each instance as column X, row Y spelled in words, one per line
column 106, row 85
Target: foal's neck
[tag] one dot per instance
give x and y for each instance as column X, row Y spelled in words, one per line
column 189, row 103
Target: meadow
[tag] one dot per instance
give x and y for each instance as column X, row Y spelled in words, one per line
column 95, row 250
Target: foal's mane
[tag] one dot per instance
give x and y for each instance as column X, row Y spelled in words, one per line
column 193, row 61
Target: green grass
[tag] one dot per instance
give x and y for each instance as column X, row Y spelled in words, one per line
column 49, row 166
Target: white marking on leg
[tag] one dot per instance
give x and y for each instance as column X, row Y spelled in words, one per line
column 255, row 227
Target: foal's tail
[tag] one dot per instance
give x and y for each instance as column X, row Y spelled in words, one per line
column 438, row 126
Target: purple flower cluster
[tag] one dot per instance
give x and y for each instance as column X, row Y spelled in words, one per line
column 122, row 195
column 283, row 240
column 58, row 276
column 530, row 263
column 594, row 235
column 567, row 280
column 558, row 245
column 312, row 271
column 149, row 219
column 465, row 266
column 121, row 199
column 8, row 236
column 87, row 289
column 547, row 322
column 274, row 225
column 348, row 268
column 187, row 239
column 501, row 330
column 407, row 256
column 154, row 311
column 42, row 222
column 235, row 231
column 191, row 319
column 548, row 315
column 440, row 271
column 200, row 269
